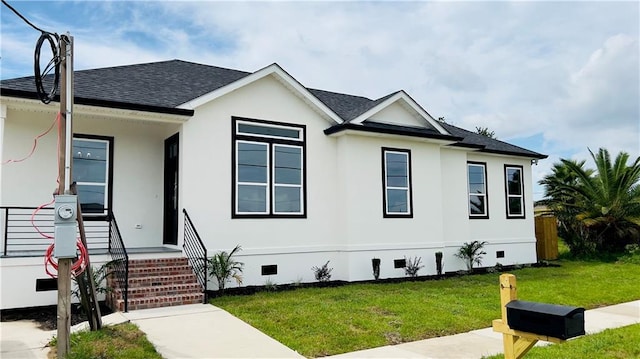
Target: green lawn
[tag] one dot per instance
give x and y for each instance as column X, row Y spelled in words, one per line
column 123, row 341
column 325, row 321
column 620, row 343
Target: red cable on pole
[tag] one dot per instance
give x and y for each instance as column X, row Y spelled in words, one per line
column 35, row 142
column 77, row 267
column 33, row 216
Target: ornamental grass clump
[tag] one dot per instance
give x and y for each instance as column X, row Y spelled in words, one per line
column 224, row 267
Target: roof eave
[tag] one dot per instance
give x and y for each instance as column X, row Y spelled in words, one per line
column 349, row 126
column 283, row 76
column 519, row 154
column 103, row 103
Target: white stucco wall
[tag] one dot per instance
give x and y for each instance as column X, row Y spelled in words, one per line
column 345, row 222
column 206, row 180
column 137, row 166
column 397, row 114
column 344, row 217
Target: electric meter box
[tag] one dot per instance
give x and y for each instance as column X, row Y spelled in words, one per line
column 65, row 215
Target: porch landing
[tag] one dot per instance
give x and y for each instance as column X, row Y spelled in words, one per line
column 163, row 251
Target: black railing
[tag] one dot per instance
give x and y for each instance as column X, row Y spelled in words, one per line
column 195, row 251
column 119, row 259
column 23, row 232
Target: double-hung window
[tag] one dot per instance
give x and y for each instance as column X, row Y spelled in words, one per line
column 514, row 191
column 92, row 172
column 396, row 182
column 477, row 187
column 268, row 169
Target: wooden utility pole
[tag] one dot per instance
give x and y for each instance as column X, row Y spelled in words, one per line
column 86, row 284
column 64, row 172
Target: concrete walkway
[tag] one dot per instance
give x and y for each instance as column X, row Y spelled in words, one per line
column 485, row 342
column 204, row 331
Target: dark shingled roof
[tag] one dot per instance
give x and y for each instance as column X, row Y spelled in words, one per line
column 486, row 144
column 165, row 84
column 162, row 86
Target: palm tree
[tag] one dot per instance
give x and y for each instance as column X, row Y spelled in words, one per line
column 560, row 198
column 605, row 202
column 611, row 200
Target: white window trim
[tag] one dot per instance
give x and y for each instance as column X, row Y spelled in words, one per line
column 299, row 186
column 509, row 196
column 485, row 214
column 407, row 189
column 258, row 124
column 104, row 184
column 256, row 184
column 271, row 142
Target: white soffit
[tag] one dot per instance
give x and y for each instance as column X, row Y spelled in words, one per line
column 405, row 101
column 104, row 112
column 275, row 70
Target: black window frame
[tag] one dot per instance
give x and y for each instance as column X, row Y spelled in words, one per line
column 409, row 213
column 508, row 195
column 486, row 191
column 89, row 216
column 270, row 141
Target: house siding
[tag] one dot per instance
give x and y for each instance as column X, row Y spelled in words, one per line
column 207, row 181
column 344, row 221
column 137, row 166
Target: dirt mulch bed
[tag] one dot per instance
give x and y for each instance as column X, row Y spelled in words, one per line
column 47, row 317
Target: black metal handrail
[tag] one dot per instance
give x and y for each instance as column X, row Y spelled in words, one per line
column 21, row 238
column 119, row 259
column 195, row 251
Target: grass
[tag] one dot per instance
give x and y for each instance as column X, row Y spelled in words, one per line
column 123, row 341
column 326, row 321
column 620, row 343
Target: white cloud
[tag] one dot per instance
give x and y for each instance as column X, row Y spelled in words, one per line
column 566, row 70
column 602, row 106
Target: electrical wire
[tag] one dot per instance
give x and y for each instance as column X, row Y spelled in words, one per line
column 35, row 142
column 22, row 17
column 53, row 39
column 77, row 267
column 33, row 219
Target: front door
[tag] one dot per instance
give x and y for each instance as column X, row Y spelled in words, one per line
column 171, row 190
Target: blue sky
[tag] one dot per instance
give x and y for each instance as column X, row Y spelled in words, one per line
column 554, row 77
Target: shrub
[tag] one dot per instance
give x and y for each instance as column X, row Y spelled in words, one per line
column 412, row 266
column 99, row 282
column 223, row 267
column 632, row 254
column 270, row 285
column 471, row 253
column 323, row 273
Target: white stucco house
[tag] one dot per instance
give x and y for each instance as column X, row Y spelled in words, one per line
column 296, row 176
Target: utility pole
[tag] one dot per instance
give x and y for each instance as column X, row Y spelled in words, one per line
column 64, row 171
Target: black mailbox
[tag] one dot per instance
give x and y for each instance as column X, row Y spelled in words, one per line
column 558, row 321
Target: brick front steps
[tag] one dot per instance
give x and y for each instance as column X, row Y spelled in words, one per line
column 157, row 283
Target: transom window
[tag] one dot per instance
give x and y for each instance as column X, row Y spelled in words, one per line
column 477, row 187
column 396, row 182
column 269, row 172
column 91, row 172
column 514, row 191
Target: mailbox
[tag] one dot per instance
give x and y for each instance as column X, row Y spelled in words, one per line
column 558, row 321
